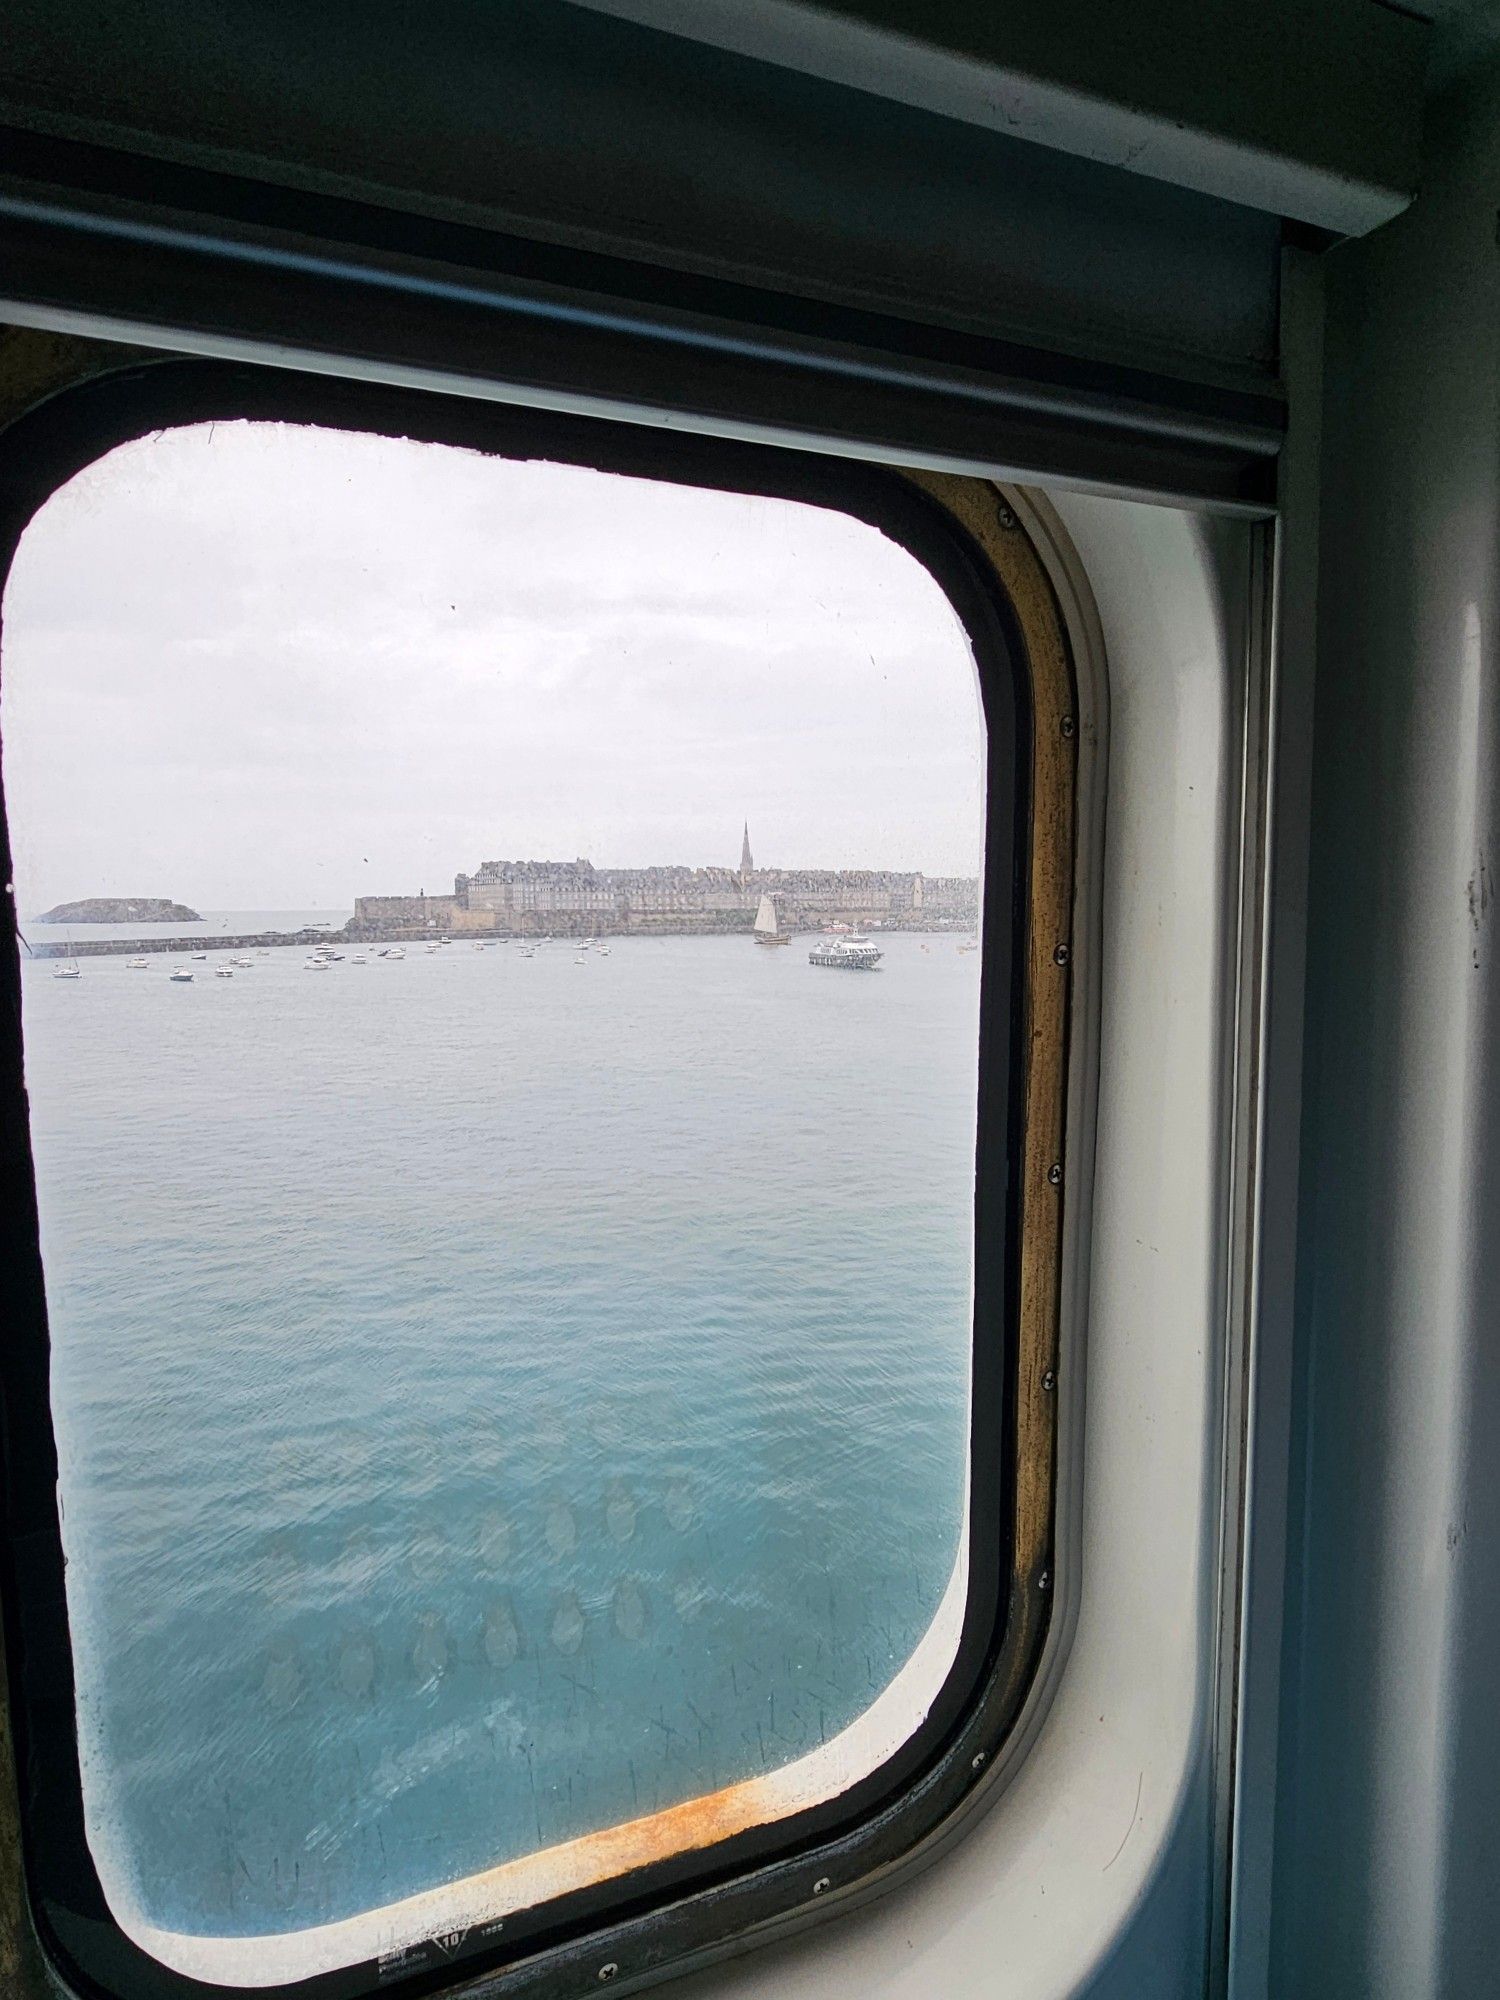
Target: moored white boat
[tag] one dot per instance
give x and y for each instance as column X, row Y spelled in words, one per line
column 847, row 954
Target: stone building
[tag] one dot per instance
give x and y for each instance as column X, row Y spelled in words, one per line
column 575, row 897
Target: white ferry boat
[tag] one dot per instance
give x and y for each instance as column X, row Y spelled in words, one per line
column 850, row 954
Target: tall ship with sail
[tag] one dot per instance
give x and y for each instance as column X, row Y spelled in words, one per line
column 767, row 926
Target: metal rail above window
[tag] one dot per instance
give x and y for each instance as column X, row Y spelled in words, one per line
column 110, row 243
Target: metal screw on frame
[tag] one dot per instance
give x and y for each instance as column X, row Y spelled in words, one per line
column 1007, row 517
column 821, row 1885
column 1049, row 1381
column 607, row 1972
column 977, row 1763
column 1062, row 955
column 1067, row 725
column 1054, row 1175
column 1044, row 1581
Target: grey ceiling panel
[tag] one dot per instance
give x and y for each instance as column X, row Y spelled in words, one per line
column 555, row 121
column 588, row 211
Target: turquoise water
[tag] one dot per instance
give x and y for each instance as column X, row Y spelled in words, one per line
column 496, row 1397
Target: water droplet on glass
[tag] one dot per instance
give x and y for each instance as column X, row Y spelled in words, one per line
column 561, row 1529
column 359, row 1561
column 493, row 1541
column 549, row 1434
column 619, row 1514
column 567, row 1624
column 688, row 1599
column 680, row 1510
column 480, row 1440
column 429, row 1552
column 356, row 1664
column 607, row 1424
column 631, row 1613
column 282, row 1569
column 502, row 1642
column 429, row 1656
column 281, row 1683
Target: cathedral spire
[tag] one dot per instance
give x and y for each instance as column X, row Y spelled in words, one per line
column 747, row 866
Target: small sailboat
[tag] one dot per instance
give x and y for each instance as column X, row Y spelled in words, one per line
column 70, row 968
column 767, row 929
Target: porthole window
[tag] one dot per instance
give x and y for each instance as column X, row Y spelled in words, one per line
column 540, row 983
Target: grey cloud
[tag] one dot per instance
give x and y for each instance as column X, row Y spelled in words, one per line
column 259, row 667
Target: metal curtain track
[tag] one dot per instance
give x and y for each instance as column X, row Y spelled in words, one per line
column 111, row 242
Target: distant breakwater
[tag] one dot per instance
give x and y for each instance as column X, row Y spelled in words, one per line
column 142, row 947
column 361, row 934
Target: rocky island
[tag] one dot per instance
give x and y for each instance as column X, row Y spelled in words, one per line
column 121, row 910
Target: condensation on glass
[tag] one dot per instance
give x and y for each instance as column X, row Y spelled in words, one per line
column 510, row 1314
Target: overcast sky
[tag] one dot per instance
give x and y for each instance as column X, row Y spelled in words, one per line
column 251, row 666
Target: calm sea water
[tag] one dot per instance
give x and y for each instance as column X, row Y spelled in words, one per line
column 496, row 1397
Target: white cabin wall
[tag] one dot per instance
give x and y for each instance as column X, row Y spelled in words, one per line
column 1389, row 1792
